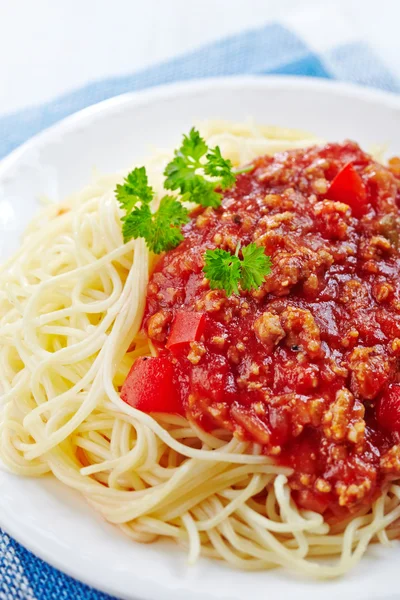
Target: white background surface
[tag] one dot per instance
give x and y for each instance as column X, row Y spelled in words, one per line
column 48, row 47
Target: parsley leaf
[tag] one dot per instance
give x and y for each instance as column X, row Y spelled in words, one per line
column 166, row 232
column 137, row 224
column 193, row 145
column 218, row 166
column 201, row 191
column 181, row 171
column 134, row 189
column 225, row 271
column 255, row 266
column 184, row 172
column 222, row 269
column 161, row 229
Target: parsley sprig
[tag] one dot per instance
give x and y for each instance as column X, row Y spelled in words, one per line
column 194, row 161
column 197, row 171
column 186, row 171
column 134, row 189
column 161, row 229
column 226, row 271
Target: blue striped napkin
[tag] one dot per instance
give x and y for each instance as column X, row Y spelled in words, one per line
column 273, row 49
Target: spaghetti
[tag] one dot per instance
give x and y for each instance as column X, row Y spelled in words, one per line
column 72, row 300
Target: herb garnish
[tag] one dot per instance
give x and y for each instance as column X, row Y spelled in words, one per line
column 161, row 229
column 184, row 172
column 226, row 271
column 193, row 165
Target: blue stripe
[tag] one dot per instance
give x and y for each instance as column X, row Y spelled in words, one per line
column 270, row 49
column 308, row 65
column 48, row 583
column 357, row 63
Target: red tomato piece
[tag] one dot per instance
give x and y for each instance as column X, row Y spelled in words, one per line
column 150, row 386
column 388, row 410
column 348, row 187
column 187, row 327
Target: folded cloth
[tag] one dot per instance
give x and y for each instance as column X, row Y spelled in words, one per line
column 273, row 49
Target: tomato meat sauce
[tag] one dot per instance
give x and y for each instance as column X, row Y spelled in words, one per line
column 307, row 365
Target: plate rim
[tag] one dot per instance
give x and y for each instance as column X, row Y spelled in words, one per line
column 166, row 90
column 12, row 527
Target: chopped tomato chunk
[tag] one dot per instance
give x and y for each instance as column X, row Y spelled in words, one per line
column 150, row 386
column 348, row 187
column 388, row 412
column 187, row 327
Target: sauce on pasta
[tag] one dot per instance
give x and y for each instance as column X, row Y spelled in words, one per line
column 306, row 365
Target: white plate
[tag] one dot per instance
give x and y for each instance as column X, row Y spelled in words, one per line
column 49, row 519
